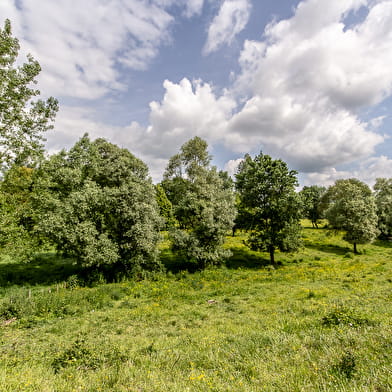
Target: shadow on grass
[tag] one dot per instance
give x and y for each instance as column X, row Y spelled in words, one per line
column 240, row 258
column 243, row 258
column 328, row 248
column 175, row 264
column 44, row 269
column 383, row 243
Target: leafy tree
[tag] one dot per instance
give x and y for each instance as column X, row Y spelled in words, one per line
column 203, row 205
column 267, row 192
column 311, row 199
column 17, row 216
column 97, row 203
column 383, row 195
column 351, row 207
column 22, row 121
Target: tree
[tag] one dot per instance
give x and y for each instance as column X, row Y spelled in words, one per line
column 22, row 121
column 17, row 216
column 98, row 204
column 203, row 205
column 383, row 196
column 267, row 192
column 351, row 208
column 311, row 198
column 165, row 207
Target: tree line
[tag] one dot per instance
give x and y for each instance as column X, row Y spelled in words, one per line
column 97, row 203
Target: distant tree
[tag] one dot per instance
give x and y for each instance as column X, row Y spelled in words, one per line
column 98, row 204
column 350, row 207
column 203, row 205
column 22, row 121
column 165, row 207
column 383, row 196
column 267, row 192
column 311, row 199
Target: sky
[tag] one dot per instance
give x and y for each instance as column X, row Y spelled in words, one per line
column 309, row 82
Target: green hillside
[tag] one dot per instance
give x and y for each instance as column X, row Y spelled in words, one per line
column 319, row 321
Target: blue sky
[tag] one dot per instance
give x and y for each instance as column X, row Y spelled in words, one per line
column 306, row 81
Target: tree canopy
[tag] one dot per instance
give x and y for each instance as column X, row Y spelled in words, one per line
column 383, row 196
column 22, row 120
column 267, row 192
column 350, row 207
column 311, row 200
column 203, row 205
column 97, row 203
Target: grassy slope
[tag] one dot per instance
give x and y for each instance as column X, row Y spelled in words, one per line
column 320, row 322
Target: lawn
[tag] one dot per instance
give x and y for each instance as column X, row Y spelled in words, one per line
column 319, row 321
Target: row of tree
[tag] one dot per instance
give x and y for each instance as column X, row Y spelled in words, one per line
column 97, row 203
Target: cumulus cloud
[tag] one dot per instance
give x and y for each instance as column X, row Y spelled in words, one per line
column 81, row 45
column 368, row 171
column 186, row 110
column 230, row 21
column 308, row 80
column 232, row 165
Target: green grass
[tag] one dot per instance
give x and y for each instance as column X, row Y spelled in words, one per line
column 320, row 321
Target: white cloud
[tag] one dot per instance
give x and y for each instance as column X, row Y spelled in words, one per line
column 230, row 21
column 307, row 82
column 187, row 109
column 193, row 7
column 80, row 44
column 368, row 171
column 232, row 166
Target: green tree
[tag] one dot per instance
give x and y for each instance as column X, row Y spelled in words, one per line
column 267, row 192
column 18, row 239
column 22, row 121
column 351, row 207
column 383, row 195
column 203, row 204
column 311, row 199
column 165, row 207
column 98, row 204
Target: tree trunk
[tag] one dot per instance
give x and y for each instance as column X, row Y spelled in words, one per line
column 272, row 255
column 355, row 248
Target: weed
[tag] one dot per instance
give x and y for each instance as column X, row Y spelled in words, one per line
column 344, row 316
column 346, row 366
column 77, row 356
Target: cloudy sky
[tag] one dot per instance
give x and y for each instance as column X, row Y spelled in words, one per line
column 306, row 81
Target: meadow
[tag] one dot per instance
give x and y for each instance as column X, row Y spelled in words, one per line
column 318, row 321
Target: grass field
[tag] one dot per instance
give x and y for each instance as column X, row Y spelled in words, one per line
column 320, row 321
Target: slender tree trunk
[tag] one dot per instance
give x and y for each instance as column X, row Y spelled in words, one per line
column 355, row 248
column 272, row 255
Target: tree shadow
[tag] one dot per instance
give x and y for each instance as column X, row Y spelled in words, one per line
column 44, row 269
column 176, row 264
column 244, row 258
column 383, row 243
column 328, row 248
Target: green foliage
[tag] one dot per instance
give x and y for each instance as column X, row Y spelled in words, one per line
column 346, row 365
column 22, row 121
column 383, row 196
column 17, row 216
column 203, row 205
column 341, row 315
column 311, row 200
column 165, row 207
column 351, row 207
column 97, row 204
column 267, row 193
